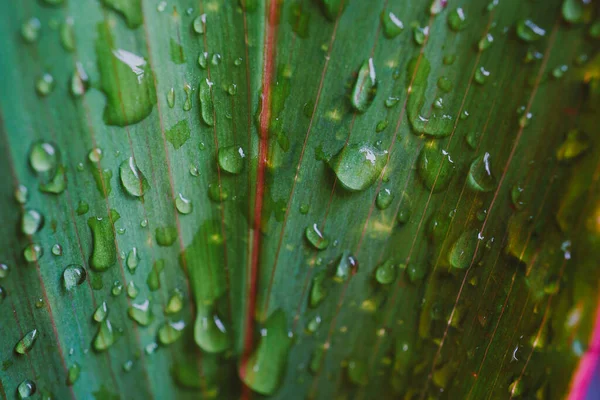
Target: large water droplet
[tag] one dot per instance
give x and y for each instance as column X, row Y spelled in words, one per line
column 104, row 251
column 132, row 179
column 316, row 238
column 435, row 167
column 231, row 159
column 105, row 337
column 31, row 222
column 207, row 108
column 33, row 252
column 141, row 313
column 166, row 235
column 386, row 273
column 183, row 204
column 26, row 389
column 463, row 250
column 210, row 332
column 358, row 166
column 265, row 368
column 480, row 176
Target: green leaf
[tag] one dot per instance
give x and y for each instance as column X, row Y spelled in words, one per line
column 302, row 199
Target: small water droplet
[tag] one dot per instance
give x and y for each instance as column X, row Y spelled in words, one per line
column 153, row 279
column 199, row 24
column 485, row 42
column 480, row 176
column 357, row 373
column 67, row 34
column 435, row 166
column 33, row 252
column 21, row 194
column 31, row 222
column 26, row 343
column 575, row 144
column 384, row 199
column 4, row 270
column 132, row 178
column 30, row 30
column 43, row 156
column 117, row 288
column 420, row 34
column 528, row 31
column 463, row 250
column 105, row 337
column 175, row 302
column 45, row 84
column 316, row 237
column 133, row 260
column 560, row 71
column 457, row 19
column 392, row 26
column 101, row 312
column 141, row 313
column 386, row 273
column 170, row 332
column 73, row 276
column 73, row 374
column 365, row 87
column 481, row 75
column 206, row 103
column 183, row 204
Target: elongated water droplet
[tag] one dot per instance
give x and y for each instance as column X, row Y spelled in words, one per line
column 104, row 251
column 73, row 276
column 80, row 81
column 141, row 313
column 117, row 288
column 4, row 270
column 207, row 107
column 480, row 176
column 231, row 159
column 133, row 259
column 170, row 332
column 33, row 252
column 392, row 26
column 457, row 20
column 21, row 194
column 73, row 374
column 358, row 166
column 420, row 34
column 365, row 87
column 187, row 104
column 199, row 24
column 171, row 98
column 346, row 265
column 132, row 290
column 176, row 52
column 485, row 42
column 125, row 79
column 203, row 60
column 45, row 84
column 153, row 279
column 132, row 179
column 26, row 343
column 319, row 289
column 210, row 332
column 528, row 31
column 26, row 389
column 67, row 34
column 57, row 184
column 101, row 312
column 435, row 167
column 31, row 222
column 316, row 237
column 265, row 368
column 183, row 204
column 462, row 251
column 105, row 337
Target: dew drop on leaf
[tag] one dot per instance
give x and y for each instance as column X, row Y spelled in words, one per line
column 171, row 98
column 480, row 176
column 133, row 180
column 67, row 34
column 73, row 374
column 575, row 144
column 132, row 290
column 45, row 84
column 170, row 332
column 117, row 288
column 104, row 251
column 4, row 270
column 31, row 222
column 43, row 156
column 207, row 108
column 101, row 312
column 384, row 198
column 365, row 87
column 105, row 337
column 316, row 238
column 485, row 42
column 481, row 75
column 132, row 260
column 357, row 373
column 73, row 276
column 392, row 26
column 79, row 81
column 199, row 24
column 183, row 204
column 26, row 389
column 435, row 167
column 82, row 207
column 141, row 313
column 21, row 194
column 153, row 279
column 318, row 290
column 33, row 252
column 231, row 159
column 166, row 235
column 528, row 31
column 463, row 250
column 210, row 331
column 358, row 166
column 175, row 302
column 385, row 273
column 457, row 20
column 30, row 30
column 313, row 325
column 26, row 343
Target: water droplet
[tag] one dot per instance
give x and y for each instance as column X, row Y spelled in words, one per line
column 26, row 389
column 187, row 104
column 319, row 289
column 82, row 208
column 575, row 144
column 117, row 288
column 21, row 194
column 175, row 302
column 203, row 60
column 39, row 302
column 95, row 155
column 30, row 30
column 207, row 108
column 215, row 59
column 528, row 31
column 45, row 84
column 153, row 279
column 420, row 34
column 472, row 139
column 381, row 125
column 313, row 325
column 358, row 166
column 125, row 78
column 481, row 75
column 33, row 252
column 559, row 71
column 457, row 20
column 151, row 348
column 101, row 312
column 183, row 204
column 386, row 273
column 105, row 337
column 357, row 373
column 346, row 265
column 217, row 192
column 480, row 176
column 73, row 374
column 516, row 388
column 57, row 184
column 210, row 332
column 392, row 26
column 384, row 199
column 132, row 260
column 485, row 42
column 31, row 222
column 141, row 313
column 176, row 52
column 79, row 81
column 128, row 366
column 316, row 237
column 24, row 345
column 231, row 159
column 171, row 98
column 435, row 167
column 516, row 196
column 265, row 368
column 73, row 276
column 166, row 235
column 43, row 156
column 462, row 251
column 132, row 179
column 199, row 24
column 170, row 332
column 67, row 34
column 104, row 251
column 132, row 290
column 4, row 270
column 365, row 87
